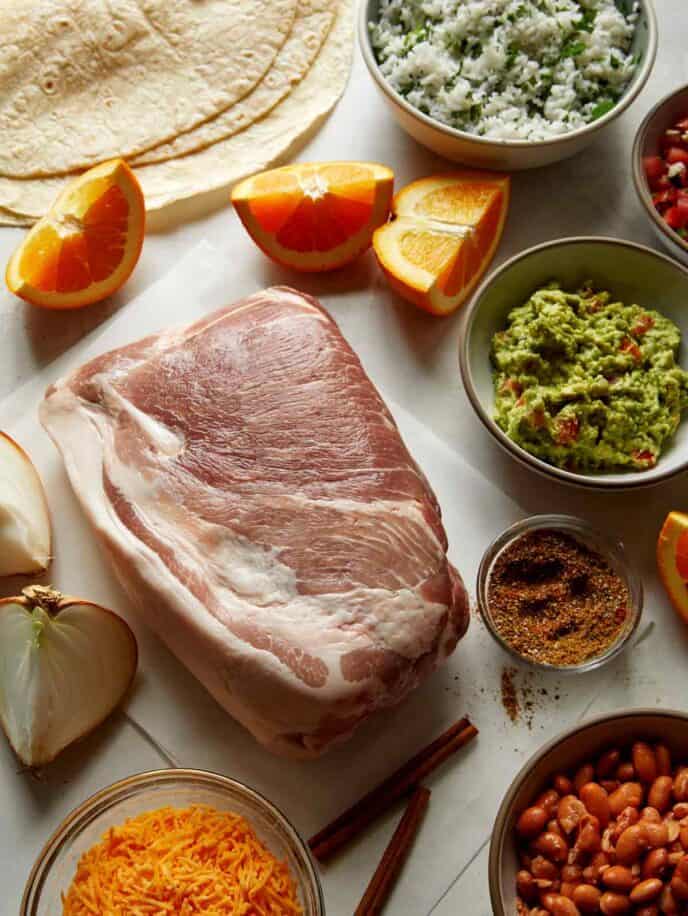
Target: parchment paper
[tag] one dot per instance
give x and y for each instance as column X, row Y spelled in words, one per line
column 184, row 725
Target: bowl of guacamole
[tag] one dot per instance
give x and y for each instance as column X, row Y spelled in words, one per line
column 574, row 358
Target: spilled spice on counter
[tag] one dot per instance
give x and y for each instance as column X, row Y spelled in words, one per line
column 555, row 600
column 521, row 697
column 510, row 694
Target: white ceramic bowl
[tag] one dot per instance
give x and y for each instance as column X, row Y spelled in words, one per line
column 571, row 748
column 633, row 274
column 57, row 861
column 507, row 155
column 665, row 114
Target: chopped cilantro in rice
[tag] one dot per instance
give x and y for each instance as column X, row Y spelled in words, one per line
column 507, row 69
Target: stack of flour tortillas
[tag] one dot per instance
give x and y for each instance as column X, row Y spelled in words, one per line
column 195, row 94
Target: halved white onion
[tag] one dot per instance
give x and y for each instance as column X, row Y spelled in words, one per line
column 24, row 519
column 65, row 664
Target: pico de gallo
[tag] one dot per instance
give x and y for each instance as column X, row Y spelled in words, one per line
column 667, row 176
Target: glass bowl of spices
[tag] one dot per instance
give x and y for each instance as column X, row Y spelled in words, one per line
column 558, row 594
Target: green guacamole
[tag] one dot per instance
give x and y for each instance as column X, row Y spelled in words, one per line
column 586, row 383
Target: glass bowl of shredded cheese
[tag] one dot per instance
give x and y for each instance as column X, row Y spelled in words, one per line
column 175, row 841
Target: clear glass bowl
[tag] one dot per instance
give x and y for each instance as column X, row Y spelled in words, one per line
column 85, row 826
column 612, row 551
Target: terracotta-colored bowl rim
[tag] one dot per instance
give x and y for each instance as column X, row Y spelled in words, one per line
column 508, row 800
column 640, row 181
column 616, row 482
column 72, row 822
column 641, row 77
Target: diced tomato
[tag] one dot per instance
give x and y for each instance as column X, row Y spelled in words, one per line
column 537, row 419
column 567, row 430
column 631, row 347
column 677, row 154
column 664, row 199
column 671, row 137
column 643, row 325
column 654, row 167
column 677, row 217
column 512, row 385
column 644, row 457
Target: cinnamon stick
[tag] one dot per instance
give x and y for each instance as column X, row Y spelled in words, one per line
column 356, row 818
column 394, row 855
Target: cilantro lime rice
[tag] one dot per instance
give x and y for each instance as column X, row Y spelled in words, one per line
column 508, row 69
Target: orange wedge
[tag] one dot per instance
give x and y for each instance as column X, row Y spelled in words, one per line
column 443, row 235
column 315, row 216
column 87, row 245
column 672, row 560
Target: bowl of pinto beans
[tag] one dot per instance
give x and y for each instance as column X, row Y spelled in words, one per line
column 597, row 822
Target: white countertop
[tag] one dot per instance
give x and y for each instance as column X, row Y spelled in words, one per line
column 413, row 358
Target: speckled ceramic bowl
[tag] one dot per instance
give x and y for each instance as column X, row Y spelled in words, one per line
column 507, row 155
column 633, row 274
column 665, row 114
column 569, row 749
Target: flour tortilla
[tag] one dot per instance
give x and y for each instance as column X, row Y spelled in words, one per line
column 313, row 21
column 263, row 144
column 86, row 80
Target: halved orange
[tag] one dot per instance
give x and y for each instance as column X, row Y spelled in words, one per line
column 444, row 232
column 315, row 216
column 88, row 243
column 672, row 560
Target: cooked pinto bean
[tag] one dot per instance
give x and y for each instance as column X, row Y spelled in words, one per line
column 644, row 762
column 596, row 800
column 628, row 795
column 681, row 785
column 532, row 821
column 586, row 773
column 646, row 891
column 625, row 772
column 608, row 763
column 613, row 904
column 613, row 839
column 558, row 905
column 570, row 811
column 631, row 845
column 618, row 878
column 663, row 758
column 660, row 793
column 552, row 847
column 526, row 886
column 562, row 784
column 655, row 864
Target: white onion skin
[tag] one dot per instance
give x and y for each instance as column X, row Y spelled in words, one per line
column 54, row 604
column 39, row 566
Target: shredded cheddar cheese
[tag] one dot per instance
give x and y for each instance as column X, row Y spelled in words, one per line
column 181, row 861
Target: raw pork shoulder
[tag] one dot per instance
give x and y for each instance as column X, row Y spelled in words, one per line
column 261, row 510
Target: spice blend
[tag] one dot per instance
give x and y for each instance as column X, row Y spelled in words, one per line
column 555, row 600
